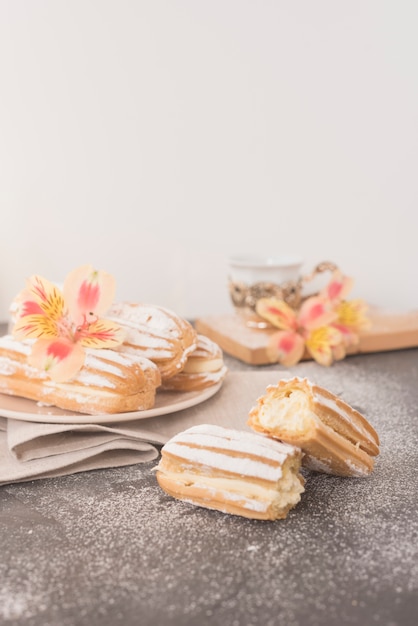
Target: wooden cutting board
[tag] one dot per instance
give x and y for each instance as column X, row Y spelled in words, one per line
column 387, row 332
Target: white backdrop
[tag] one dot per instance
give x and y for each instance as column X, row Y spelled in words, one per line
column 154, row 138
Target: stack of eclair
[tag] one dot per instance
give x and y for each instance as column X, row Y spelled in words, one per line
column 161, row 351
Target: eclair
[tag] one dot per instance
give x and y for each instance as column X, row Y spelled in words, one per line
column 108, row 382
column 155, row 333
column 204, row 367
column 236, row 472
column 334, row 437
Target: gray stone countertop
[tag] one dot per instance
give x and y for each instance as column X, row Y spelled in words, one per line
column 108, row 547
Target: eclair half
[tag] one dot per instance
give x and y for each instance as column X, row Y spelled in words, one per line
column 334, row 437
column 232, row 471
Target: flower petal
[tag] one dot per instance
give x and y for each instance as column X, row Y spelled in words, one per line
column 35, row 327
column 277, row 312
column 24, row 304
column 59, row 358
column 46, row 295
column 321, row 342
column 39, row 309
column 338, row 287
column 352, row 314
column 286, row 347
column 40, row 306
column 316, row 312
column 102, row 334
column 338, row 352
column 88, row 293
column 348, row 336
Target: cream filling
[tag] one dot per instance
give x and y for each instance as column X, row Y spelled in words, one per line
column 249, row 495
column 288, row 412
column 193, row 366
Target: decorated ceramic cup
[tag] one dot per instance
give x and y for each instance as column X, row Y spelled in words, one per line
column 255, row 277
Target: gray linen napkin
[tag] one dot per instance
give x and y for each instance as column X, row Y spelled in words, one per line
column 32, row 450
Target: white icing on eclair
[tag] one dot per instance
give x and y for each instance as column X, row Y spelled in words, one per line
column 254, row 455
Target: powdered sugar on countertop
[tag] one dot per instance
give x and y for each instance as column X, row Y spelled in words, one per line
column 109, row 547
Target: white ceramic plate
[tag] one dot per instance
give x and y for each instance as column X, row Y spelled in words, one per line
column 165, row 402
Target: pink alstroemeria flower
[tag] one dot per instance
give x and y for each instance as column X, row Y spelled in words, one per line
column 325, row 325
column 351, row 314
column 64, row 323
column 309, row 327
